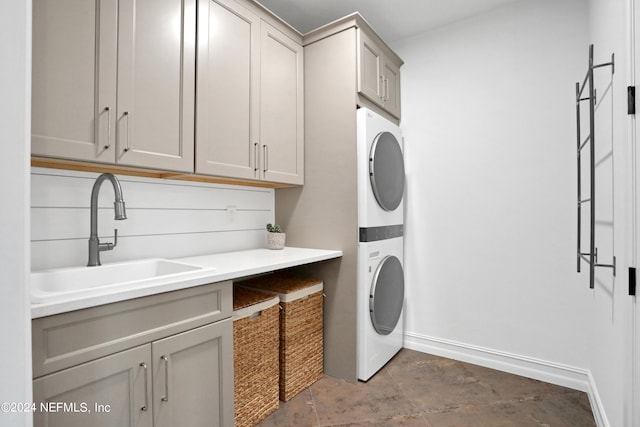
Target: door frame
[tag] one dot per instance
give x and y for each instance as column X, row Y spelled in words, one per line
column 632, row 387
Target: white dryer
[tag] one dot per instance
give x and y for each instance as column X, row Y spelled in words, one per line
column 381, row 182
column 380, row 304
column 381, row 176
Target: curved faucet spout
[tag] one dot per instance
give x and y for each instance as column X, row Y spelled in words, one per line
column 95, row 247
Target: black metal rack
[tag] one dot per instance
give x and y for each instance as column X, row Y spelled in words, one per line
column 590, row 257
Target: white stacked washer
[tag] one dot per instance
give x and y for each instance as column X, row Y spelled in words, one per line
column 381, row 182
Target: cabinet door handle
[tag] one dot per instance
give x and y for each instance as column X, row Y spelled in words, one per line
column 146, row 392
column 107, row 110
column 125, row 115
column 381, row 88
column 386, row 80
column 265, row 153
column 165, row 398
column 386, row 89
column 255, row 157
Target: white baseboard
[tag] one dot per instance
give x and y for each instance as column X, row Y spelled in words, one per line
column 542, row 370
column 596, row 404
column 554, row 373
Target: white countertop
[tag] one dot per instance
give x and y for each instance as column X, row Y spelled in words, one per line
column 228, row 266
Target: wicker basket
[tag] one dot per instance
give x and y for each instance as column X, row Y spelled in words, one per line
column 255, row 361
column 301, row 327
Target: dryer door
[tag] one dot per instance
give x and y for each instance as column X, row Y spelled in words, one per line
column 387, row 295
column 386, row 171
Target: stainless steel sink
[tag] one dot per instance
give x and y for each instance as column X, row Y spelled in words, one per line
column 68, row 283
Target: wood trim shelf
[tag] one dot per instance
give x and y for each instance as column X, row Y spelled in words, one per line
column 44, row 162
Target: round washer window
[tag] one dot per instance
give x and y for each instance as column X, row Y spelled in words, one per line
column 386, row 171
column 387, row 295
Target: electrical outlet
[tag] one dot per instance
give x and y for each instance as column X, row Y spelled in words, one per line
column 231, row 214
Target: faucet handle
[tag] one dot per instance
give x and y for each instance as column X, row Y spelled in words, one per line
column 108, row 246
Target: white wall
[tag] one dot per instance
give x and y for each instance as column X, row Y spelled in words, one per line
column 489, row 126
column 165, row 218
column 15, row 326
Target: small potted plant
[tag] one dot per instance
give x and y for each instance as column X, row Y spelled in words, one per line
column 275, row 236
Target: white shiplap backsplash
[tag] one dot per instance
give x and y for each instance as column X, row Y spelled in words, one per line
column 165, row 218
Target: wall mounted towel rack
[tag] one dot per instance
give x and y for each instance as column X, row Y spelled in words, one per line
column 590, row 257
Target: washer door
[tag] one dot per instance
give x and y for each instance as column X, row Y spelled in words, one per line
column 387, row 295
column 386, row 171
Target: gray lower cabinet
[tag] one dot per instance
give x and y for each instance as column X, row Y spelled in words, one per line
column 163, row 360
column 107, row 392
column 191, row 373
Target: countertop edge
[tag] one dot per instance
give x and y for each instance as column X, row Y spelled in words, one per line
column 248, row 263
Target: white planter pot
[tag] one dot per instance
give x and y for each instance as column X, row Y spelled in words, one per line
column 276, row 240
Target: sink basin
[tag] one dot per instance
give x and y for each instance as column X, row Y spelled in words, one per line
column 68, row 283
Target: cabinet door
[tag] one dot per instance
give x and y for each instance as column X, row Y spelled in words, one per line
column 74, row 79
column 391, row 88
column 156, row 84
column 228, row 77
column 281, row 107
column 193, row 377
column 111, row 391
column 370, row 80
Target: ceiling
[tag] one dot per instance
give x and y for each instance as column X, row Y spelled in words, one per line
column 392, row 19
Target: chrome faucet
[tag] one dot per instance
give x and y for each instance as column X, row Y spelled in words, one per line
column 95, row 247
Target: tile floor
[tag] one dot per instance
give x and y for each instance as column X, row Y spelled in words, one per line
column 417, row 389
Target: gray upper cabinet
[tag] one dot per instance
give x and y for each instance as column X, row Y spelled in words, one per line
column 156, row 81
column 370, row 80
column 249, row 104
column 391, row 92
column 113, row 81
column 227, row 125
column 378, row 73
column 281, row 107
column 74, row 79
